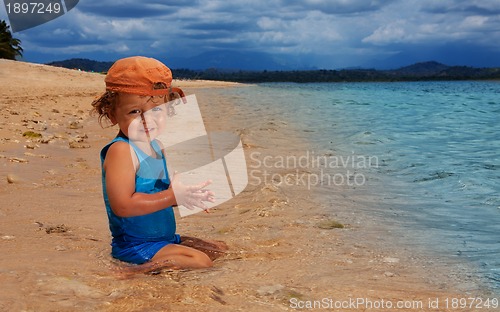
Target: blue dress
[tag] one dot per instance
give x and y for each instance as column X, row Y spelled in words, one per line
column 138, row 239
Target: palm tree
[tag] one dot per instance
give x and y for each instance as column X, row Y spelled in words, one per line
column 9, row 47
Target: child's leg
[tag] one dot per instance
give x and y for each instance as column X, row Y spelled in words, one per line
column 213, row 249
column 182, row 257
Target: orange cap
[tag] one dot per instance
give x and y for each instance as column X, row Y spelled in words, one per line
column 139, row 75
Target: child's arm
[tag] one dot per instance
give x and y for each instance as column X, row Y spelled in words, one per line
column 120, row 187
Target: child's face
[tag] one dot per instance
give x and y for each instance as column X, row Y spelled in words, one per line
column 140, row 118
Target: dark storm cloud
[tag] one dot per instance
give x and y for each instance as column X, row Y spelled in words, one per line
column 236, row 26
column 130, row 9
column 328, row 33
column 467, row 7
column 339, row 6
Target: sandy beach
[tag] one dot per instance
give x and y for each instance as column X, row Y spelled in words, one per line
column 285, row 251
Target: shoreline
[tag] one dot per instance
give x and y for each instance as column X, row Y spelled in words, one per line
column 282, row 249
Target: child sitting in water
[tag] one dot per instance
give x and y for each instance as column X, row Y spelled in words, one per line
column 137, row 190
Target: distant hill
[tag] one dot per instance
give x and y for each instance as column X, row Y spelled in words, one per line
column 419, row 71
column 431, row 68
column 83, row 64
column 437, row 71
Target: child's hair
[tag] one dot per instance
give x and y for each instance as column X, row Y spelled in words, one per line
column 105, row 105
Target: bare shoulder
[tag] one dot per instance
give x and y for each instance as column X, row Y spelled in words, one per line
column 118, row 150
column 120, row 154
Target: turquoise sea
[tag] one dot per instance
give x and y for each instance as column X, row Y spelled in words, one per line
column 434, row 176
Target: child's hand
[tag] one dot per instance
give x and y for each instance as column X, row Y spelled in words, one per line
column 191, row 196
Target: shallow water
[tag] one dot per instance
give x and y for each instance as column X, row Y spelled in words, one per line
column 422, row 157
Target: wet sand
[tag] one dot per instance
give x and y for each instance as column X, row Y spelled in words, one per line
column 285, row 251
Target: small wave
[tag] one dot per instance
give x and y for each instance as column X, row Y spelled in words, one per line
column 491, row 167
column 492, row 201
column 364, row 143
column 495, row 277
column 435, row 176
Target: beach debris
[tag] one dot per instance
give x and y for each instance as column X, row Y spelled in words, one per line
column 216, row 295
column 31, row 145
column 250, row 145
column 218, row 299
column 32, row 135
column 12, row 178
column 389, row 274
column 269, row 243
column 18, row 160
column 9, row 140
column 263, row 213
column 79, row 138
column 217, row 290
column 329, row 225
column 278, row 202
column 60, row 248
column 269, row 290
column 76, row 124
column 73, row 144
column 35, row 124
column 35, row 155
column 48, row 139
column 61, row 228
column 41, row 126
column 78, row 142
column 390, row 260
column 269, row 129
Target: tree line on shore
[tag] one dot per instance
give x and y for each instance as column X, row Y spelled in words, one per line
column 419, row 71
column 344, row 75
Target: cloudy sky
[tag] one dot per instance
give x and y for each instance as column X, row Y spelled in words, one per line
column 327, row 34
